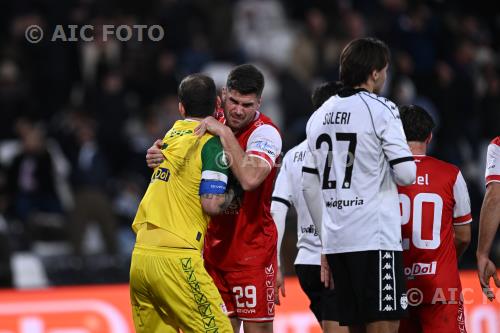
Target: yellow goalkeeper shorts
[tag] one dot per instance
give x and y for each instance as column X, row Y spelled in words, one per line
column 171, row 290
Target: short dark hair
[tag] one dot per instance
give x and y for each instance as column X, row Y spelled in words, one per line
column 246, row 79
column 324, row 91
column 417, row 123
column 360, row 58
column 197, row 94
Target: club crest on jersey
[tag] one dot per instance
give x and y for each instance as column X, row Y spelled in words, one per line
column 403, row 301
column 161, row 174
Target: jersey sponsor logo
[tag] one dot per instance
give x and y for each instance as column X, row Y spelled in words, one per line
column 265, row 146
column 311, row 229
column 340, row 204
column 421, row 269
column 491, row 164
column 175, row 132
column 161, row 174
column 422, row 180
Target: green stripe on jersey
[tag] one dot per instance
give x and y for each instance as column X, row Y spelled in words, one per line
column 213, row 157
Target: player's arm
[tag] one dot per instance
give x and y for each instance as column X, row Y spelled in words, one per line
column 154, row 156
column 311, row 189
column 488, row 226
column 214, row 196
column 489, row 219
column 462, row 238
column 396, row 148
column 280, row 203
column 250, row 167
column 462, row 217
column 214, row 204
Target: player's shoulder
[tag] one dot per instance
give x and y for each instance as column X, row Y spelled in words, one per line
column 379, row 103
column 210, row 140
column 263, row 120
column 264, row 126
column 495, row 141
column 297, row 152
column 438, row 166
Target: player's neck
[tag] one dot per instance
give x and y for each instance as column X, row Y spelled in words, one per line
column 193, row 118
column 418, row 148
column 366, row 85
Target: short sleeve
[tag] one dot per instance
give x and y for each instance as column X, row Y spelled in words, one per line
column 493, row 162
column 214, row 170
column 393, row 138
column 310, row 165
column 265, row 143
column 461, row 211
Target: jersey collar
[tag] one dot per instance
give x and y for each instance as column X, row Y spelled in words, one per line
column 349, row 91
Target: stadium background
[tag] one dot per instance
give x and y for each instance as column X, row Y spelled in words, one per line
column 63, row 101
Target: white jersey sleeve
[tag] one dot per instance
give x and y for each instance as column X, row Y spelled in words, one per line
column 493, row 162
column 461, row 210
column 265, row 143
column 393, row 136
column 282, row 190
column 288, row 192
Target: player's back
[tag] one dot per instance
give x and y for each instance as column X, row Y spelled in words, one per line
column 172, row 199
column 430, row 208
column 354, row 137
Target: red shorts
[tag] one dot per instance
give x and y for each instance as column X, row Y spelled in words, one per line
column 435, row 318
column 248, row 295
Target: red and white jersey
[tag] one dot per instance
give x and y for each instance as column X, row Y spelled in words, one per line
column 244, row 236
column 430, row 208
column 493, row 161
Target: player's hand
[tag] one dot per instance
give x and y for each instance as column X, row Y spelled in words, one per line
column 280, row 285
column 154, row 156
column 326, row 274
column 486, row 269
column 209, row 124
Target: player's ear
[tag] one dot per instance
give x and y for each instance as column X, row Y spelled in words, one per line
column 182, row 111
column 429, row 138
column 223, row 93
column 218, row 103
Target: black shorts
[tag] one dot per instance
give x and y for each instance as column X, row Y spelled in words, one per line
column 323, row 300
column 370, row 286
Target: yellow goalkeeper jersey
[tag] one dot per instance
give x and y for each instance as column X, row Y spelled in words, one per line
column 192, row 166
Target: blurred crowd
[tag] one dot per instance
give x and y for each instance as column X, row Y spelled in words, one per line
column 77, row 117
